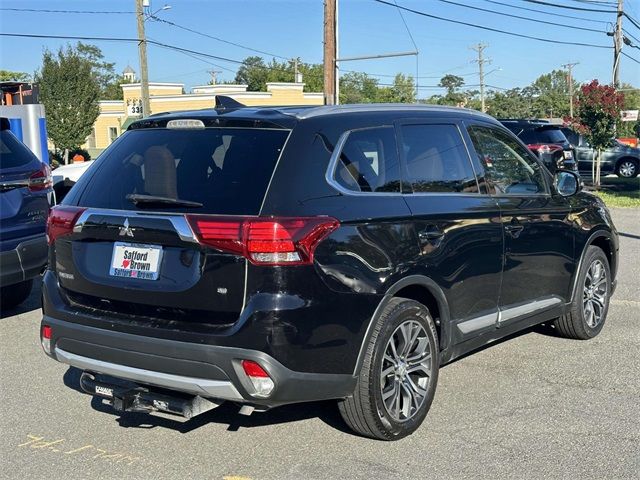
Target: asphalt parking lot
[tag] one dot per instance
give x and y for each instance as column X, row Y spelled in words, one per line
column 535, row 406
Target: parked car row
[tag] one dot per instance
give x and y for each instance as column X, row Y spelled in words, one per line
column 266, row 256
column 561, row 147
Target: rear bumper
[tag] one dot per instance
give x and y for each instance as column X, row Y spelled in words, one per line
column 24, row 262
column 209, row 371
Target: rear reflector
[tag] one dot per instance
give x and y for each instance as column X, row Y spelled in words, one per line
column 259, row 378
column 265, row 241
column 46, row 332
column 41, row 179
column 46, row 338
column 61, row 220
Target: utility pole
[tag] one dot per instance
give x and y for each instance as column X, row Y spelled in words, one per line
column 481, row 61
column 569, row 67
column 617, row 45
column 142, row 51
column 214, row 74
column 330, row 52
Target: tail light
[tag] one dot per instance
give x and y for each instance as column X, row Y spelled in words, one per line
column 41, row 179
column 45, row 338
column 265, row 241
column 544, row 148
column 258, row 377
column 61, row 221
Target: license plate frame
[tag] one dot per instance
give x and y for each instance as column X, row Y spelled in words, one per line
column 118, row 268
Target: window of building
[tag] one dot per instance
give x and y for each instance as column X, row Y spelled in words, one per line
column 91, row 139
column 437, row 160
column 368, row 161
column 509, row 167
column 113, row 134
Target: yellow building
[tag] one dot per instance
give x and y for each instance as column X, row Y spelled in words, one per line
column 116, row 115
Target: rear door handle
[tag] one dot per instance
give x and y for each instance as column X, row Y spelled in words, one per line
column 430, row 234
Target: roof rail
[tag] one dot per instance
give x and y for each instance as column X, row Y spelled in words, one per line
column 223, row 102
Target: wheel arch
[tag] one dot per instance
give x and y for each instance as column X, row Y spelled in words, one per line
column 421, row 289
column 602, row 239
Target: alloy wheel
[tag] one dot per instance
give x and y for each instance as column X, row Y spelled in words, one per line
column 627, row 169
column 406, row 370
column 595, row 294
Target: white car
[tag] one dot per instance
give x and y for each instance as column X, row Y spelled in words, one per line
column 66, row 176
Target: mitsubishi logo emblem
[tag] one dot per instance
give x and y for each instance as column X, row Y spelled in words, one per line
column 125, row 230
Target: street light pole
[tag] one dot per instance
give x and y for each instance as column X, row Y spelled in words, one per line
column 481, row 61
column 617, row 45
column 142, row 52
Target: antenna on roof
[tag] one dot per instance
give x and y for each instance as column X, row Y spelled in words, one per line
column 223, row 102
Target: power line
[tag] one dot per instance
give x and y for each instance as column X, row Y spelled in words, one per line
column 630, row 57
column 36, row 10
column 573, row 27
column 520, row 35
column 635, row 38
column 547, row 13
column 582, row 9
column 217, row 38
column 632, row 20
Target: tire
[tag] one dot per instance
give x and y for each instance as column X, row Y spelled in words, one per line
column 582, row 321
column 366, row 411
column 13, row 295
column 627, row 168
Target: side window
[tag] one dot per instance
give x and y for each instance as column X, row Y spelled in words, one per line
column 508, row 165
column 437, row 160
column 368, row 161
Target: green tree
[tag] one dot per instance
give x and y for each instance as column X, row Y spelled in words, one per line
column 403, row 90
column 255, row 73
column 69, row 91
column 598, row 111
column 631, row 102
column 453, row 97
column 513, row 103
column 103, row 71
column 9, row 76
column 550, row 95
column 358, row 87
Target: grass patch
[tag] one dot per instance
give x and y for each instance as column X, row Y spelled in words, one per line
column 619, row 192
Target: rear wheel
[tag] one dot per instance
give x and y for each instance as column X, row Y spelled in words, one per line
column 627, row 169
column 591, row 303
column 398, row 378
column 13, row 295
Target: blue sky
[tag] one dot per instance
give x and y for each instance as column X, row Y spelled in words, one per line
column 294, row 28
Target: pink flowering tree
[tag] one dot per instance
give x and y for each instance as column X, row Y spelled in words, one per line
column 598, row 110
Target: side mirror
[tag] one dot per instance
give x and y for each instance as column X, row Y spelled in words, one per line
column 567, row 183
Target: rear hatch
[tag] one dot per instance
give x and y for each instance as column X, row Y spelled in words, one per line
column 127, row 242
column 25, row 192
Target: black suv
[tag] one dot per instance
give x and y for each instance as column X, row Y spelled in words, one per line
column 547, row 141
column 267, row 256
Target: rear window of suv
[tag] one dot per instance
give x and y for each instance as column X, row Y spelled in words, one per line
column 13, row 153
column 226, row 170
column 543, row 135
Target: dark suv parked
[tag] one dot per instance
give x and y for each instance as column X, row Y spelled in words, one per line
column 545, row 140
column 25, row 197
column 619, row 158
column 267, row 256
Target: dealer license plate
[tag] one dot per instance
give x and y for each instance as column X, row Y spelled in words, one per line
column 133, row 260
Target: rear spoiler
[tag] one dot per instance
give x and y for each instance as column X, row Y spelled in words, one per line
column 4, row 123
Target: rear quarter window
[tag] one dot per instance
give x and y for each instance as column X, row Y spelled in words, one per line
column 227, row 170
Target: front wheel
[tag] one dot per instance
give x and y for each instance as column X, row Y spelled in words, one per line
column 627, row 169
column 589, row 308
column 398, row 378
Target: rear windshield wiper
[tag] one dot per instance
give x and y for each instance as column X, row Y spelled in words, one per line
column 141, row 199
